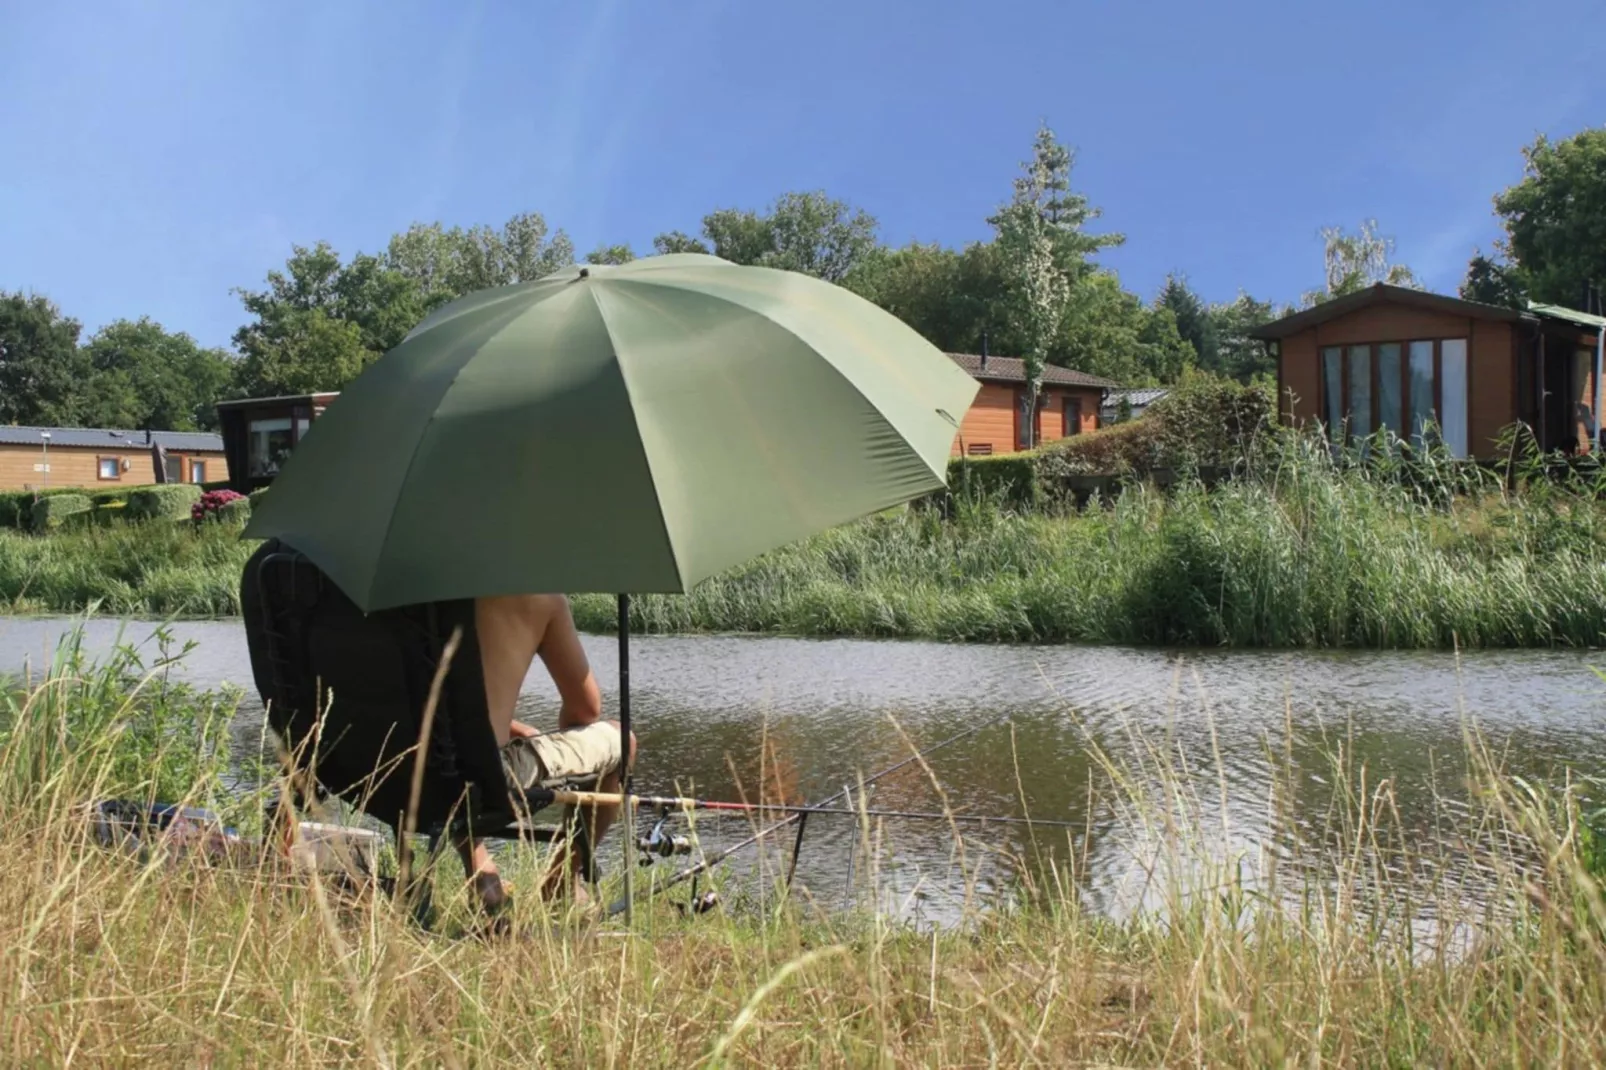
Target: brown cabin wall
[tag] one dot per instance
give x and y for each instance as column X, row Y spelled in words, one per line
column 990, row 421
column 1491, row 376
column 79, row 466
column 1491, row 385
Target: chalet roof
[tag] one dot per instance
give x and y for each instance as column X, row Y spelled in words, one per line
column 1011, row 370
column 1382, row 293
column 111, row 439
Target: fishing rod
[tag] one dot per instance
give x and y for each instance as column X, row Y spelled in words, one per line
column 682, row 803
column 800, row 816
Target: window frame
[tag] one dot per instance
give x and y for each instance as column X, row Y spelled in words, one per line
column 1372, row 348
column 197, row 469
column 100, row 471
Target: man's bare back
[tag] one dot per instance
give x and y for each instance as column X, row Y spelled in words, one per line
column 513, row 630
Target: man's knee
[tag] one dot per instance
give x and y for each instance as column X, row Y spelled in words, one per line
column 631, row 758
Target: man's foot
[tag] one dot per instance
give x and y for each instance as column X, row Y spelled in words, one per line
column 488, row 891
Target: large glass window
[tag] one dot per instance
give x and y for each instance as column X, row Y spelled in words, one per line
column 1360, row 391
column 269, row 445
column 1389, row 384
column 1420, row 388
column 1453, row 394
column 197, row 471
column 1333, row 391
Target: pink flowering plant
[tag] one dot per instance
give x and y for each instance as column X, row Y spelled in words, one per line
column 210, row 506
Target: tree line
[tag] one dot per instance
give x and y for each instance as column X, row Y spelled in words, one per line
column 1033, row 288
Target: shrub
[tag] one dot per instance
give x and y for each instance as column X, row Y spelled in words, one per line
column 1008, row 479
column 1204, row 422
column 219, row 505
column 15, row 509
column 256, row 495
column 164, row 501
column 53, row 511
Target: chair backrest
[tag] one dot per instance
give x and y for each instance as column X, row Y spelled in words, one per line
column 346, row 692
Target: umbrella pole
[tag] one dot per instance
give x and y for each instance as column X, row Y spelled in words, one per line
column 624, row 743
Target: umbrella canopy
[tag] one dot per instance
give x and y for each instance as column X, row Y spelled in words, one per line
column 632, row 428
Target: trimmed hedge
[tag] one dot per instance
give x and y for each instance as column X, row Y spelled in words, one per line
column 16, row 506
column 163, row 501
column 52, row 511
column 237, row 512
column 1009, row 479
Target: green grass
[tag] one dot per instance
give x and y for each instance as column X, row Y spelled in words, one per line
column 1303, row 553
column 108, row 960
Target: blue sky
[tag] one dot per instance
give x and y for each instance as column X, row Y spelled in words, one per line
column 159, row 154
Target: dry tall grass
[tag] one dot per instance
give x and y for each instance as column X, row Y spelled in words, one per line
column 106, row 960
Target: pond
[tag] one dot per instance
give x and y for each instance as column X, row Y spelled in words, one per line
column 1230, row 725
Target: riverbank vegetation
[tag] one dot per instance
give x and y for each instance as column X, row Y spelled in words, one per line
column 1300, row 549
column 1382, row 948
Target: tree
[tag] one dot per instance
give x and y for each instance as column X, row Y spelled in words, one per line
column 1193, row 320
column 446, row 263
column 308, row 335
column 40, row 364
column 675, row 242
column 142, row 376
column 1043, row 248
column 302, row 351
column 1237, row 354
column 805, row 232
column 1555, row 218
column 1109, row 331
column 1493, row 283
column 1355, row 261
column 610, row 254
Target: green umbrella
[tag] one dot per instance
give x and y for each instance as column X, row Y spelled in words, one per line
column 615, row 429
column 635, row 428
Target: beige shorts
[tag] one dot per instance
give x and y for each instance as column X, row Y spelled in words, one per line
column 581, row 753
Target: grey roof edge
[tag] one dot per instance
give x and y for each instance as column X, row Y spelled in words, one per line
column 110, row 438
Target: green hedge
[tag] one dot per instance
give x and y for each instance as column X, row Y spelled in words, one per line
column 1009, row 478
column 163, row 501
column 16, row 506
column 237, row 512
column 52, row 511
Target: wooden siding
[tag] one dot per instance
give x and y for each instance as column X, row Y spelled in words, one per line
column 989, row 425
column 1491, row 385
column 1299, row 379
column 79, row 466
column 1491, row 375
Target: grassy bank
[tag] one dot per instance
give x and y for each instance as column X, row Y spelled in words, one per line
column 1305, row 553
column 105, row 960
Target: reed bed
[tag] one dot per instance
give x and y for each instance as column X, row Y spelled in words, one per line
column 1241, row 960
column 1301, row 551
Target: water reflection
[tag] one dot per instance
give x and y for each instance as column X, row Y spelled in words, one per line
column 1253, row 735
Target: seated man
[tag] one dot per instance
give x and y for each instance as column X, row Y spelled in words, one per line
column 512, row 631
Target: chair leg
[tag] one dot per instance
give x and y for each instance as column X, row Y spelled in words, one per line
column 579, row 834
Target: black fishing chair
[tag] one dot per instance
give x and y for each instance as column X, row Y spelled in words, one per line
column 347, row 691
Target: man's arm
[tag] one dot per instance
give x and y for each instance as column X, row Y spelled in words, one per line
column 566, row 663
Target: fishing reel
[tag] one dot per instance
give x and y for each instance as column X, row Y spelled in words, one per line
column 660, row 843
